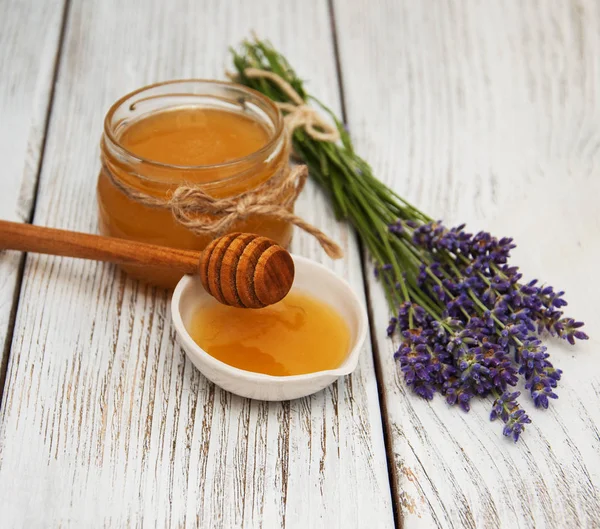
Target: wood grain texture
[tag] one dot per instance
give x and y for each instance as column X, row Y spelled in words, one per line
column 246, row 270
column 488, row 112
column 105, row 422
column 29, row 39
column 40, row 239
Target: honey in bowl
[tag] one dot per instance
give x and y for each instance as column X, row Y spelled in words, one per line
column 298, row 335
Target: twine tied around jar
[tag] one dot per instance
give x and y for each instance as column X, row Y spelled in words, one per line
column 204, row 214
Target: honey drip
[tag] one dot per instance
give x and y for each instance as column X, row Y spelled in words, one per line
column 298, row 335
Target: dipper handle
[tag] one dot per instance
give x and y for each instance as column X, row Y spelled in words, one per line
column 240, row 269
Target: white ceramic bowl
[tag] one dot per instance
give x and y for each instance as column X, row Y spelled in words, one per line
column 311, row 278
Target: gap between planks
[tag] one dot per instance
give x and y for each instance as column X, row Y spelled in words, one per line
column 387, row 436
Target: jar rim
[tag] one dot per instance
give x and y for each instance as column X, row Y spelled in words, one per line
column 278, row 126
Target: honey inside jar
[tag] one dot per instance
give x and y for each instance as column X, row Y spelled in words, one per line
column 298, row 335
column 223, row 137
column 195, row 136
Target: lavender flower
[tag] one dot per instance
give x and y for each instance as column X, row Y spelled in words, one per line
column 507, row 408
column 473, row 327
column 540, row 375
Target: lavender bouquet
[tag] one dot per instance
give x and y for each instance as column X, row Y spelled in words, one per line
column 468, row 324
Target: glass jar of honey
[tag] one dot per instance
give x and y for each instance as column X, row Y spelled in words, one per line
column 226, row 138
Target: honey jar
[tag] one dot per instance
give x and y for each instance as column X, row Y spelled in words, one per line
column 225, row 138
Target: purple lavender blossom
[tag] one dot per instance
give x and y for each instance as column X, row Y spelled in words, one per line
column 507, row 408
column 477, row 328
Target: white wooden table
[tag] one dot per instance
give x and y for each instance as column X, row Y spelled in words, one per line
column 480, row 110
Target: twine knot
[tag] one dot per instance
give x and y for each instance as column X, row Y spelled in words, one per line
column 204, row 214
column 298, row 113
column 243, row 206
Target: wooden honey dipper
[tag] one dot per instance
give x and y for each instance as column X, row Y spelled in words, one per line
column 239, row 269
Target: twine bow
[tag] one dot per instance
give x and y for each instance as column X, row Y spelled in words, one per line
column 204, row 214
column 298, row 113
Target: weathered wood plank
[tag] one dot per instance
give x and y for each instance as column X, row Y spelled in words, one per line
column 106, row 423
column 29, row 41
column 487, row 112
